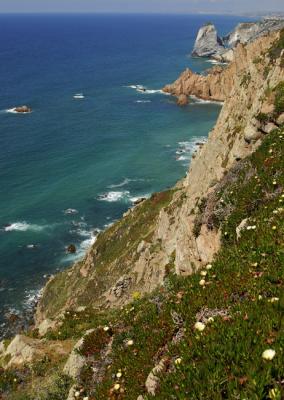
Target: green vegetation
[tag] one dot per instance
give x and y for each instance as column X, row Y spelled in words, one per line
column 279, row 98
column 239, row 301
column 112, row 256
column 277, row 48
column 246, row 79
column 263, row 118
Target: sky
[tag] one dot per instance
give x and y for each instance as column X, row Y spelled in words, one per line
column 143, row 6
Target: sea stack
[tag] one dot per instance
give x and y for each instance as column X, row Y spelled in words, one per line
column 207, row 43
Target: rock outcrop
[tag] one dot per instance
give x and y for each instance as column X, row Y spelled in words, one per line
column 133, row 256
column 249, row 31
column 23, row 110
column 207, row 43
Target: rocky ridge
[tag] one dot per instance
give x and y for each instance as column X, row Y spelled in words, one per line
column 209, row 44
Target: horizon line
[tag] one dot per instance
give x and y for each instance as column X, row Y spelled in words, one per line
column 247, row 13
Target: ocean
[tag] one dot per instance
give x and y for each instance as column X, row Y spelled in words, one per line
column 75, row 165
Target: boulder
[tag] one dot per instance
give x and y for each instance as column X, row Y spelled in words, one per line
column 207, row 42
column 22, row 350
column 268, row 128
column 280, row 119
column 141, row 247
column 45, row 326
column 76, row 361
column 251, row 134
column 182, row 100
column 241, row 227
column 153, row 381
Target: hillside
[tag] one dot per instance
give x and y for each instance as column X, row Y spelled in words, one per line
column 183, row 296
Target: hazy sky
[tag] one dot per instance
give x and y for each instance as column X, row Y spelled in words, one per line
column 177, row 6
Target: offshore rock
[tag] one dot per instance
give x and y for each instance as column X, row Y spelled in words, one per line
column 182, row 100
column 23, row 109
column 207, row 42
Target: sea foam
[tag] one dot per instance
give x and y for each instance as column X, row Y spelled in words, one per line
column 114, row 196
column 23, row 227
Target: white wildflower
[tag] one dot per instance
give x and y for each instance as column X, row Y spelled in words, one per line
column 268, row 354
column 199, row 326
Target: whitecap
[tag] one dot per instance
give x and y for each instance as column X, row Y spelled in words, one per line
column 125, row 182
column 143, row 101
column 144, row 90
column 216, row 62
column 78, row 96
column 187, row 148
column 197, row 100
column 23, row 227
column 32, row 297
column 114, row 196
column 121, row 184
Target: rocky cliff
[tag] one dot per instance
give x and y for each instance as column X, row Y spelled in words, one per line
column 190, row 276
column 209, row 44
column 133, row 256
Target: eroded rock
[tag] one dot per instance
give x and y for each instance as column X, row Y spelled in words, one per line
column 153, row 381
column 208, row 42
column 182, row 100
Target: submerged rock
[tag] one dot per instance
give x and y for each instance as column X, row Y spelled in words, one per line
column 182, row 100
column 71, row 249
column 207, row 43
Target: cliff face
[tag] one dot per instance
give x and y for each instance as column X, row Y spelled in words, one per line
column 220, row 81
column 135, row 254
column 246, row 32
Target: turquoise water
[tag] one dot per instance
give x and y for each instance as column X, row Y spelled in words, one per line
column 94, row 155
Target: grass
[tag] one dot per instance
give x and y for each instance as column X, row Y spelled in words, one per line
column 279, row 98
column 243, row 293
column 277, row 48
column 243, row 289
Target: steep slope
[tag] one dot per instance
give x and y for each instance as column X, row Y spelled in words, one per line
column 130, row 258
column 217, row 334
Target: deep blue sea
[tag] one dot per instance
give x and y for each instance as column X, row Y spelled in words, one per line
column 94, row 154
